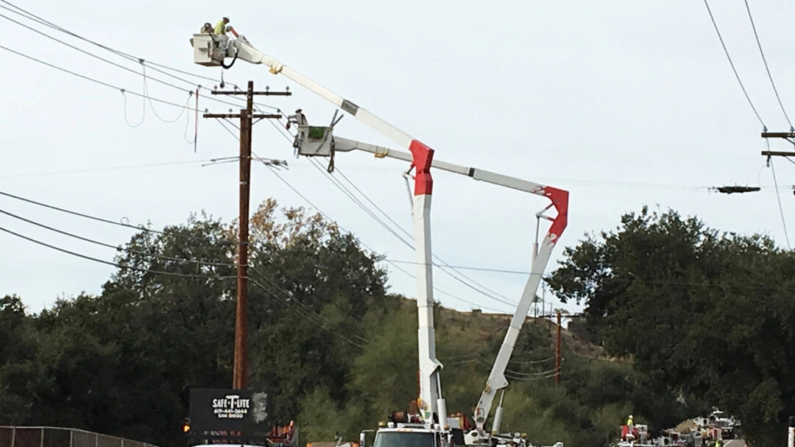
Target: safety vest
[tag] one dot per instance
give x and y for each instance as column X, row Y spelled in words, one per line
column 629, row 421
column 220, row 27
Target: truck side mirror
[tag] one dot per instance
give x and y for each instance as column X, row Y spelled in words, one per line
column 362, row 439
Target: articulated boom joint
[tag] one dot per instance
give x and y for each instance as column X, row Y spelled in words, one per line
column 423, row 158
column 560, row 200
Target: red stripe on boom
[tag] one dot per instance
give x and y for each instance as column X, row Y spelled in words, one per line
column 423, row 157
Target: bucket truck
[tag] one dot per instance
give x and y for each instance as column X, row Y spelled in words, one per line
column 211, row 50
column 319, row 141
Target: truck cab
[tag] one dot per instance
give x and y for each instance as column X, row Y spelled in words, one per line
column 397, row 434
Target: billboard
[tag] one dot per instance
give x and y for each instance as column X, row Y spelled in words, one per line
column 229, row 410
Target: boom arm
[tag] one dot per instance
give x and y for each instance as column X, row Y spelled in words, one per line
column 206, row 52
column 209, row 51
column 560, row 201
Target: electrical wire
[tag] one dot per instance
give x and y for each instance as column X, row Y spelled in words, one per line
column 87, row 78
column 706, row 3
column 285, row 303
column 360, row 204
column 153, row 66
column 283, row 180
column 142, row 73
column 153, row 256
column 767, row 68
column 88, row 216
column 485, row 290
column 493, row 296
column 305, row 306
column 393, row 264
column 101, row 261
column 115, row 247
column 163, row 273
column 110, row 168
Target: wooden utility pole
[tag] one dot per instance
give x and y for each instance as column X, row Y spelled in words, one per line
column 789, row 136
column 557, row 353
column 240, row 372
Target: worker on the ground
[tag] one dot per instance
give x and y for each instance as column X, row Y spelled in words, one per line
column 718, row 443
column 298, row 118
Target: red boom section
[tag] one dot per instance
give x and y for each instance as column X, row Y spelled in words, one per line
column 423, row 157
column 560, row 200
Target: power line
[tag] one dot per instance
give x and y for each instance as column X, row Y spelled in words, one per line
column 141, row 61
column 284, row 302
column 369, row 212
column 115, row 247
column 35, row 18
column 764, row 59
column 157, row 272
column 110, row 168
column 153, row 256
column 706, row 3
column 152, row 65
column 88, row 78
column 101, row 261
column 491, row 294
column 392, row 263
column 145, row 96
column 86, row 216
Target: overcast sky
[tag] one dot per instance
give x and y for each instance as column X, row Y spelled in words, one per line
column 622, row 103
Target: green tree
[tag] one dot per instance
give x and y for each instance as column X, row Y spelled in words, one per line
column 709, row 315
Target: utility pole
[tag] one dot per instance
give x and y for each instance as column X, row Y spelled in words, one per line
column 557, row 354
column 240, row 371
column 788, row 136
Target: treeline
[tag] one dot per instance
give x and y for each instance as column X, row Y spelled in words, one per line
column 336, row 351
column 708, row 315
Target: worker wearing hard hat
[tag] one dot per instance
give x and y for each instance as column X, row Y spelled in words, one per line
column 221, row 28
column 630, row 422
column 298, row 119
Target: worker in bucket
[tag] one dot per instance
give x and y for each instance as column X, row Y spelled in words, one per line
column 221, row 28
column 630, row 422
column 298, row 119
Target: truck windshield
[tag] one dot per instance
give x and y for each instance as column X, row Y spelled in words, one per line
column 407, row 439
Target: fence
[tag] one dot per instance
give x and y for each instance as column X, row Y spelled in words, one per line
column 60, row 437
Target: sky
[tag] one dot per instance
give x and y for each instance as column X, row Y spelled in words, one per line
column 622, row 103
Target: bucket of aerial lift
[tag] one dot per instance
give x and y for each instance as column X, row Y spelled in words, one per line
column 208, row 49
column 314, row 141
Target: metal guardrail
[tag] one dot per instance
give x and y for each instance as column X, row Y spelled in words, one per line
column 11, row 436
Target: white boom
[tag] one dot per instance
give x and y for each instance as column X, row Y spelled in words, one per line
column 208, row 51
column 325, row 144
